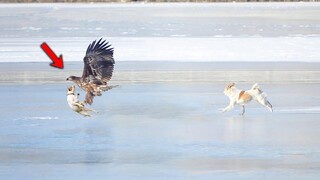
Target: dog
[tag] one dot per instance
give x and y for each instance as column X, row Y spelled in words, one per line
column 241, row 97
column 75, row 104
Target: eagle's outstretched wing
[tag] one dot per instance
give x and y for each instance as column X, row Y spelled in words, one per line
column 98, row 62
column 98, row 67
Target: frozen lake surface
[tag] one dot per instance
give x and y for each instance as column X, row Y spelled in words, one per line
column 174, row 32
column 172, row 62
column 159, row 130
column 163, row 122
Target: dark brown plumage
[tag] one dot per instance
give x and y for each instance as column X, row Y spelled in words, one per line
column 97, row 70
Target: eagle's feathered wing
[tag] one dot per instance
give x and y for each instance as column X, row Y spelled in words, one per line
column 98, row 68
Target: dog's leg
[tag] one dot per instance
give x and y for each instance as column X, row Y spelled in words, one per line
column 265, row 102
column 243, row 110
column 269, row 106
column 81, row 103
column 78, row 104
column 84, row 113
column 230, row 106
column 87, row 109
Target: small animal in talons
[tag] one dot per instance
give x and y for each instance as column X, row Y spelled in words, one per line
column 75, row 104
column 241, row 97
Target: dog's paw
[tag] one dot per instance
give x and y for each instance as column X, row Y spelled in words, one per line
column 221, row 110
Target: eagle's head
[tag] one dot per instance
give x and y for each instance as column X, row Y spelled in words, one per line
column 72, row 78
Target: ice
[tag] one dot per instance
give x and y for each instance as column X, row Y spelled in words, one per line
column 312, row 109
column 172, row 32
column 172, row 63
column 212, row 49
column 38, row 118
column 160, row 130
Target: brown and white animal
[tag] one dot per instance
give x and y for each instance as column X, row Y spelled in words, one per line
column 75, row 104
column 97, row 71
column 241, row 97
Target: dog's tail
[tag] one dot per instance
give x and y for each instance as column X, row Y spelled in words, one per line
column 258, row 90
column 255, row 86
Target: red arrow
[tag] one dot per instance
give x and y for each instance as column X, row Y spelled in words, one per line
column 56, row 62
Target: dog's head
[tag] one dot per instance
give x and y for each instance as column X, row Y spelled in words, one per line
column 228, row 88
column 71, row 90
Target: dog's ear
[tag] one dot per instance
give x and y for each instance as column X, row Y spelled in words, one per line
column 71, row 88
column 230, row 85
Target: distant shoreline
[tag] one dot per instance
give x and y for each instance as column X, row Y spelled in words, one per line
column 148, row 1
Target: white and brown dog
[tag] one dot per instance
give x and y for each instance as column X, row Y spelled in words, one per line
column 75, row 104
column 240, row 97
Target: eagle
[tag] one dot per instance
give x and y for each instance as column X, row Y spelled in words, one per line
column 97, row 70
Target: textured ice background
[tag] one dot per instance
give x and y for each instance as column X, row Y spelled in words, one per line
column 161, row 127
column 172, row 32
column 159, row 130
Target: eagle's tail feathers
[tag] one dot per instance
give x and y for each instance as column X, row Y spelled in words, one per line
column 107, row 88
column 89, row 97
